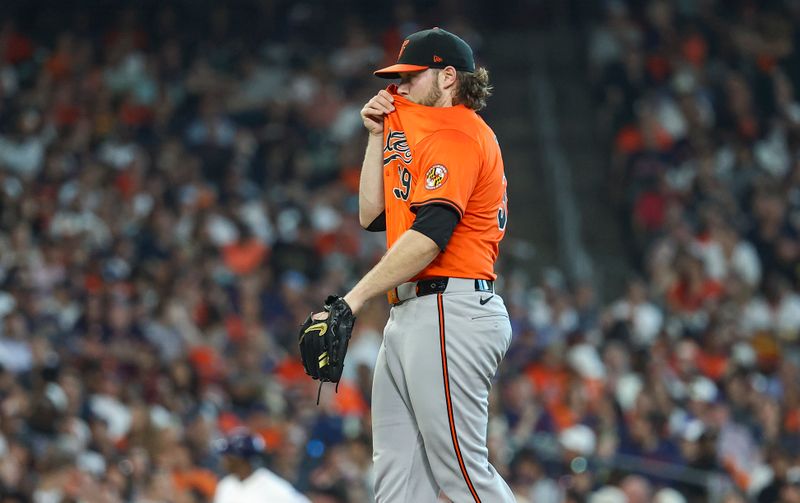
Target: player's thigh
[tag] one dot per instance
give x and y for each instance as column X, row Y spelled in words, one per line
column 394, row 428
column 401, row 468
column 455, row 362
column 388, row 407
column 461, row 349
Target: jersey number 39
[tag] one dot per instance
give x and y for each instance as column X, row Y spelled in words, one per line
column 404, row 190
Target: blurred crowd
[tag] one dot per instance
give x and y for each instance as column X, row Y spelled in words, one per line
column 700, row 102
column 178, row 190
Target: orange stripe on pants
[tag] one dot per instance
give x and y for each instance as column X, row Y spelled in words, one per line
column 449, row 401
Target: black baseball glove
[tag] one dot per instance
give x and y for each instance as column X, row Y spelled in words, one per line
column 323, row 343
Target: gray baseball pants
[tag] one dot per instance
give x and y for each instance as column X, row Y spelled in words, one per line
column 430, row 397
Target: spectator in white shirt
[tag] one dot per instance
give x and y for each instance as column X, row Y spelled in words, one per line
column 726, row 253
column 247, row 482
column 643, row 317
column 777, row 310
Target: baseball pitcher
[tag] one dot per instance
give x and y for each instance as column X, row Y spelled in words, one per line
column 433, row 179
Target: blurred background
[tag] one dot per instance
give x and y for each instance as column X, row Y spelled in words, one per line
column 178, row 190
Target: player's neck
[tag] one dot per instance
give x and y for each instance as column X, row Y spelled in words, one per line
column 447, row 101
column 243, row 472
column 444, row 101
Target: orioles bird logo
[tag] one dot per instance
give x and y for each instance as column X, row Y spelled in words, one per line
column 402, row 48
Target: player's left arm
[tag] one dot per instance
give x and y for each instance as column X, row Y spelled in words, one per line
column 410, row 254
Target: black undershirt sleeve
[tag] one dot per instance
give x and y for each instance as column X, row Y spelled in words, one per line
column 379, row 224
column 437, row 221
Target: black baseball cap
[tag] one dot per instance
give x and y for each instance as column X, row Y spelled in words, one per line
column 434, row 48
column 241, row 444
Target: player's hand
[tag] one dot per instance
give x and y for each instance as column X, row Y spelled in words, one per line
column 375, row 111
column 351, row 300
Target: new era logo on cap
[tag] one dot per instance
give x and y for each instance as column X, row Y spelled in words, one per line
column 434, row 48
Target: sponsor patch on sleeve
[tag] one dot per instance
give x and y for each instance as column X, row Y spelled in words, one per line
column 435, row 177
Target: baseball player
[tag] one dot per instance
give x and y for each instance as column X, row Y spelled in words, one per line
column 433, row 179
column 248, row 481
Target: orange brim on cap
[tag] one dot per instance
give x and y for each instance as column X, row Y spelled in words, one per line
column 392, row 72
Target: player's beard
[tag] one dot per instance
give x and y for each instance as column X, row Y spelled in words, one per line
column 434, row 95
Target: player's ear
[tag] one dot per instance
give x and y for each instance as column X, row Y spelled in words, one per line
column 447, row 77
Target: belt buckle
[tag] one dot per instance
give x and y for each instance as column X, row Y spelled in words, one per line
column 393, row 297
column 484, row 285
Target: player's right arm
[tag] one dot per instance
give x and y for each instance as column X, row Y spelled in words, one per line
column 370, row 190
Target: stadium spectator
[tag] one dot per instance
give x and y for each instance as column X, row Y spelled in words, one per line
column 246, row 480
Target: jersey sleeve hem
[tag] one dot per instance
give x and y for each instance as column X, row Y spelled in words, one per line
column 437, row 200
column 379, row 224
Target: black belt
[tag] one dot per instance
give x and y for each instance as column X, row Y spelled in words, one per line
column 432, row 286
column 439, row 285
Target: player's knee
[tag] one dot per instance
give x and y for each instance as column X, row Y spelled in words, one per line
column 460, row 481
column 450, row 459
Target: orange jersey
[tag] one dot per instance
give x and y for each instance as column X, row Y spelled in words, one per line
column 447, row 156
